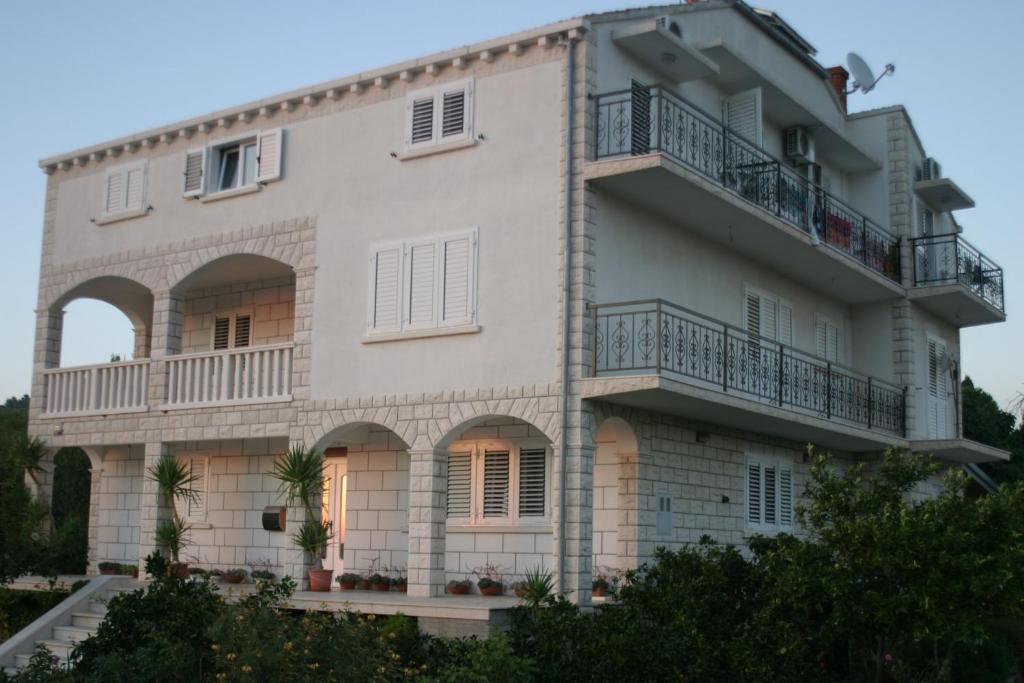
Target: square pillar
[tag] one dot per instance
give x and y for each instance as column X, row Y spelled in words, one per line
column 427, row 515
column 164, row 340
column 153, row 510
column 577, row 557
column 95, row 491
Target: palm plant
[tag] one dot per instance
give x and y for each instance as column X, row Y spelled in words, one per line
column 300, row 473
column 174, row 480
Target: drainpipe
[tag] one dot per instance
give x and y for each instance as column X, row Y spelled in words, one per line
column 566, row 301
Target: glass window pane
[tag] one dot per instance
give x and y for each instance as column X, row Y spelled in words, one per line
column 249, row 168
column 228, row 168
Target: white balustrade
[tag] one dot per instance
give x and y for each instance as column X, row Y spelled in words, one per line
column 97, row 389
column 257, row 374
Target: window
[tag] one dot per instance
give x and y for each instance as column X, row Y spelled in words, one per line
column 743, row 115
column 232, row 331
column 234, row 164
column 423, row 284
column 769, row 489
column 827, row 339
column 124, row 190
column 194, row 510
column 439, row 115
column 938, row 389
column 663, row 521
column 767, row 317
column 497, row 483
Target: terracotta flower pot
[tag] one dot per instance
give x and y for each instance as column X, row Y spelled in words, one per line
column 233, row 578
column 320, row 580
column 520, row 592
column 134, row 573
column 347, row 585
column 380, row 587
column 599, row 592
column 491, row 591
column 363, row 585
column 179, row 570
column 458, row 590
column 402, row 587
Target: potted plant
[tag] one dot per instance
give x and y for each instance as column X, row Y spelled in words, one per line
column 379, row 582
column 263, row 575
column 519, row 588
column 131, row 570
column 399, row 582
column 459, row 587
column 301, row 475
column 490, row 582
column 348, row 581
column 198, row 573
column 174, row 481
column 236, row 575
column 599, row 587
column 535, row 588
column 110, row 568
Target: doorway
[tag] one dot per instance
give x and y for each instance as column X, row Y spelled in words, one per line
column 335, row 505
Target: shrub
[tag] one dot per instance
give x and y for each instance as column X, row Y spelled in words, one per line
column 20, row 608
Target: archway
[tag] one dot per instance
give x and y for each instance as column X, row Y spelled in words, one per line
column 616, row 441
column 94, row 308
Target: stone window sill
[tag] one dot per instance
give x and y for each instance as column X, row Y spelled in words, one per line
column 430, row 150
column 228, row 194
column 420, row 334
column 120, row 216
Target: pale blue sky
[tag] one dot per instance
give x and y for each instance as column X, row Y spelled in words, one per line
column 76, row 73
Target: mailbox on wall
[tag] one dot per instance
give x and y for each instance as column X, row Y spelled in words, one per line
column 274, row 517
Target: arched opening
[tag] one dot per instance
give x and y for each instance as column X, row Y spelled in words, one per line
column 499, row 504
column 366, row 499
column 72, row 490
column 615, row 443
column 105, row 318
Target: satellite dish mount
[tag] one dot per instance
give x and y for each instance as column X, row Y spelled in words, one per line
column 863, row 77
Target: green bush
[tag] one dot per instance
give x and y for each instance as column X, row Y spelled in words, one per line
column 19, row 608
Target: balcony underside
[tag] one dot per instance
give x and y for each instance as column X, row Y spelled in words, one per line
column 665, row 395
column 956, row 304
column 670, row 190
column 960, row 450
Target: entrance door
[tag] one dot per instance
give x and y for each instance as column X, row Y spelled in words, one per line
column 335, row 505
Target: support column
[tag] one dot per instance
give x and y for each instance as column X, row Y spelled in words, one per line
column 578, row 555
column 629, row 511
column 154, row 512
column 168, row 308
column 95, row 491
column 427, row 514
column 46, row 355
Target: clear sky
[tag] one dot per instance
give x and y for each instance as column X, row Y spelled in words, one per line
column 77, row 73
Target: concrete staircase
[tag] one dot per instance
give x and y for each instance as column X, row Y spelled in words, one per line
column 69, row 623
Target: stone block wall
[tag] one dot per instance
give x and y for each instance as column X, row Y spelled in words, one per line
column 270, row 302
column 118, row 507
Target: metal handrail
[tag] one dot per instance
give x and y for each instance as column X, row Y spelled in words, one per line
column 936, row 264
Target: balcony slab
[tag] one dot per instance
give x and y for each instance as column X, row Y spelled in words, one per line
column 959, row 450
column 665, row 395
column 957, row 304
column 659, row 184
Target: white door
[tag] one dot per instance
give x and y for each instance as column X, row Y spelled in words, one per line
column 938, row 390
column 334, row 509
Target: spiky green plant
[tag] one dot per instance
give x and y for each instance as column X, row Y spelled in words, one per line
column 300, row 472
column 174, row 480
column 173, row 535
column 538, row 586
column 313, row 537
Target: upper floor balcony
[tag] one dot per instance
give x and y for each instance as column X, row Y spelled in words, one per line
column 956, row 281
column 656, row 355
column 654, row 148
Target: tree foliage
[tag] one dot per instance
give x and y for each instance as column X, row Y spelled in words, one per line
column 985, row 422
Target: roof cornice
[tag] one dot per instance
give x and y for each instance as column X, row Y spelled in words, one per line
column 544, row 36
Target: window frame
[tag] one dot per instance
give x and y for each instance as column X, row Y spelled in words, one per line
column 436, row 93
column 215, row 156
column 829, row 322
column 780, row 303
column 477, row 448
column 232, row 328
column 125, row 211
column 762, row 527
column 210, row 164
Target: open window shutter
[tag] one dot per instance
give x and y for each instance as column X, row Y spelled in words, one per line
column 197, row 507
column 195, row 171
column 753, row 314
column 459, row 484
column 421, row 120
column 743, row 115
column 457, row 297
column 640, row 111
column 496, row 480
column 770, row 493
column 937, row 389
column 135, row 182
column 769, row 318
column 754, row 493
column 785, row 323
column 269, row 146
column 113, row 191
column 453, row 113
column 422, row 310
column 532, row 482
column 833, row 343
column 221, row 333
column 243, row 327
column 385, row 288
column 820, row 337
column 785, row 496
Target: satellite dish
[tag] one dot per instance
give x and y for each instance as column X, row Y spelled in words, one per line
column 863, row 77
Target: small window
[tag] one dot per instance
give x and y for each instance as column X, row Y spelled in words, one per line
column 439, row 115
column 768, row 317
column 235, row 164
column 769, row 495
column 497, row 483
column 827, row 339
column 124, row 190
column 232, row 331
column 194, row 510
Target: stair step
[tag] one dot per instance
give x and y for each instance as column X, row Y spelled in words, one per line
column 86, row 619
column 21, row 661
column 96, row 607
column 71, row 634
column 59, row 648
column 11, row 670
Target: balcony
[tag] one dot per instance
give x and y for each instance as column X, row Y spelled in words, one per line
column 659, row 356
column 260, row 374
column 655, row 149
column 97, row 389
column 957, row 282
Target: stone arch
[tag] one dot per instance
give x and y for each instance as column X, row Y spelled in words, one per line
column 289, row 255
column 616, row 469
column 234, row 266
column 466, row 416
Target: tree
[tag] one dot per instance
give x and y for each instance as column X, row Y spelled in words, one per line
column 986, row 423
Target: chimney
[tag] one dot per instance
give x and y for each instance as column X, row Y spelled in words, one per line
column 838, row 76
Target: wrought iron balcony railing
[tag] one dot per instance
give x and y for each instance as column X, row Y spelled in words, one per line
column 950, row 259
column 651, row 119
column 639, row 337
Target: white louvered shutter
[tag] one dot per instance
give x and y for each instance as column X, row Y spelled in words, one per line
column 269, row 151
column 770, row 493
column 113, row 191
column 937, row 414
column 221, row 334
column 769, row 318
column 785, row 324
column 826, row 339
column 460, row 491
column 496, row 480
column 459, row 266
column 195, row 509
column 453, row 113
column 754, row 496
column 243, row 329
column 785, row 497
column 532, row 482
column 195, row 172
column 743, row 115
column 420, row 285
column 753, row 314
column 135, row 187
column 421, row 120
column 385, row 289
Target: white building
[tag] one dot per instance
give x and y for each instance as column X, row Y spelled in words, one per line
column 376, row 267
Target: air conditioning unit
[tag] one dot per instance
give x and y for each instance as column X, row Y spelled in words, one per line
column 669, row 24
column 797, row 143
column 931, row 170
